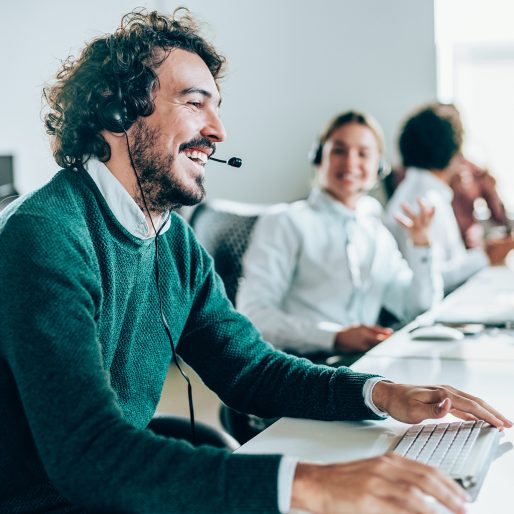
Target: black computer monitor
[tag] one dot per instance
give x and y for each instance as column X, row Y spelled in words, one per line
column 6, row 175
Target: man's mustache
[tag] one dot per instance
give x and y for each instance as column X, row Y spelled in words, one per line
column 199, row 142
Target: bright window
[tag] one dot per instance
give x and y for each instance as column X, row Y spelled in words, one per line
column 475, row 44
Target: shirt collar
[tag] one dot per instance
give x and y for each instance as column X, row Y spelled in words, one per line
column 123, row 206
column 322, row 200
column 427, row 181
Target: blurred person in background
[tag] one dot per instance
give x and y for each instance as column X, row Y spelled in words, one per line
column 431, row 150
column 318, row 272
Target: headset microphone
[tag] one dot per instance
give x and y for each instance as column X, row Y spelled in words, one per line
column 233, row 161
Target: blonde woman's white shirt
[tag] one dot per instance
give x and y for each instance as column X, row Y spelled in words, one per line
column 298, row 286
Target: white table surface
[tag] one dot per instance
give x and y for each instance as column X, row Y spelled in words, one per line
column 482, row 365
column 325, row 442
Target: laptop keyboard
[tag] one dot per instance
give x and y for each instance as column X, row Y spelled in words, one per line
column 463, row 450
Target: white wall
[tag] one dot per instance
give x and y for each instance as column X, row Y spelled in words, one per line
column 292, row 65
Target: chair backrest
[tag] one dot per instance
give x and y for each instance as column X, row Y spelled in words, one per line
column 223, row 228
column 179, row 427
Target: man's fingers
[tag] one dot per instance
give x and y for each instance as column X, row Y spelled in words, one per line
column 415, row 475
column 474, row 408
column 480, row 402
column 409, row 500
column 462, row 402
column 463, row 415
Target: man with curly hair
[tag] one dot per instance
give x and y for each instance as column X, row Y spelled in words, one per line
column 84, row 348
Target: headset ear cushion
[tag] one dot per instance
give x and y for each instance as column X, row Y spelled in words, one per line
column 383, row 168
column 113, row 116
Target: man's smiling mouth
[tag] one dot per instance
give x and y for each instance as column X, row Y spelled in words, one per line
column 196, row 156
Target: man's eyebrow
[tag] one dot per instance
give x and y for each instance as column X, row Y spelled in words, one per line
column 197, row 90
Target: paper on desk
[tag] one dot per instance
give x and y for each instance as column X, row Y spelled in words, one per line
column 489, row 346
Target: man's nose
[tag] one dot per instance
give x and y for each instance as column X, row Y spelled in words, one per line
column 214, row 128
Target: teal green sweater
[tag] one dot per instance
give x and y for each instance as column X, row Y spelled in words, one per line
column 83, row 357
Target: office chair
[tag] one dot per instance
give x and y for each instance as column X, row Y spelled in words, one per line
column 179, row 427
column 223, row 228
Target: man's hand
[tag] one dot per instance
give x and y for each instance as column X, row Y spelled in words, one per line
column 417, row 224
column 413, row 404
column 360, row 338
column 382, row 485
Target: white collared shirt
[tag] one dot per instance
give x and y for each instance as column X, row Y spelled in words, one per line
column 299, row 289
column 451, row 258
column 121, row 203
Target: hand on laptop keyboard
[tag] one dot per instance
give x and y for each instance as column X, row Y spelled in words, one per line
column 413, row 404
column 386, row 485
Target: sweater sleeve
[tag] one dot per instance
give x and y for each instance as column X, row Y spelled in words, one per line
column 250, row 375
column 90, row 453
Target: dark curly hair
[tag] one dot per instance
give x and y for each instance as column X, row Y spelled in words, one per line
column 431, row 137
column 141, row 44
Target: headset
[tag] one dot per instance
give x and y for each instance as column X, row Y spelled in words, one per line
column 316, row 155
column 113, row 113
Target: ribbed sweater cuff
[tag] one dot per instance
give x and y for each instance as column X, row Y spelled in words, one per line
column 349, row 400
column 253, row 483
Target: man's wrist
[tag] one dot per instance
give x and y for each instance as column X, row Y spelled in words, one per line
column 303, row 490
column 381, row 394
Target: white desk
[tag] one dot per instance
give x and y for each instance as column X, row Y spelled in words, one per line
column 487, row 296
column 489, row 293
column 318, row 441
column 490, row 346
column 484, row 367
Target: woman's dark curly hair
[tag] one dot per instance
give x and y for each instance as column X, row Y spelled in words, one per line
column 141, row 44
column 431, row 137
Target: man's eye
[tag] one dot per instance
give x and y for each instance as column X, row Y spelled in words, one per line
column 195, row 104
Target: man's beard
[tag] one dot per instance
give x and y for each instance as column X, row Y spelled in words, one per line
column 161, row 188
